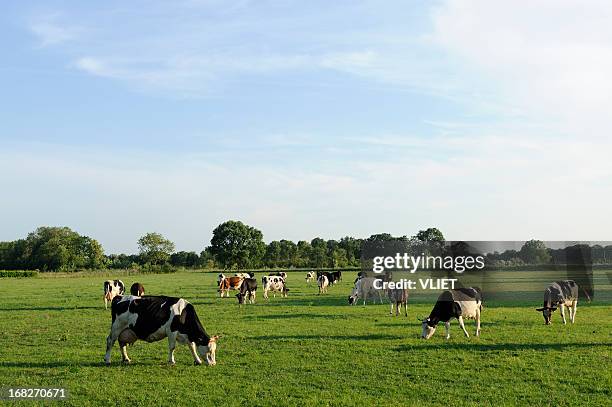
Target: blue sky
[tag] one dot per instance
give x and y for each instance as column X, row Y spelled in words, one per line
column 486, row 119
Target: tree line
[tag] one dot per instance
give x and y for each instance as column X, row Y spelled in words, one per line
column 235, row 245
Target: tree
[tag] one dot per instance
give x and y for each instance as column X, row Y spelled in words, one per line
column 535, row 252
column 154, row 248
column 318, row 253
column 235, row 244
column 430, row 235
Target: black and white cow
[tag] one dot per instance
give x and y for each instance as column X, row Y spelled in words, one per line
column 323, row 283
column 310, row 276
column 112, row 288
column 332, row 277
column 364, row 289
column 560, row 294
column 154, row 318
column 248, row 291
column 460, row 303
column 274, row 284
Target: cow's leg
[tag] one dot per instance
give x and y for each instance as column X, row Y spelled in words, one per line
column 575, row 307
column 391, row 312
column 265, row 294
column 124, row 356
column 406, row 308
column 171, row 347
column 562, row 310
column 462, row 325
column 105, row 303
column 194, row 353
column 110, row 341
column 447, row 328
column 478, row 324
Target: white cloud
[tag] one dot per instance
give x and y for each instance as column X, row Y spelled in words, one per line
column 49, row 30
column 552, row 59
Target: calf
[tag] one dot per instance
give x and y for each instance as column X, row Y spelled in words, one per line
column 364, row 288
column 398, row 297
column 323, row 283
column 154, row 318
column 460, row 303
column 248, row 290
column 310, row 276
column 274, row 284
column 137, row 289
column 112, row 288
column 229, row 283
column 562, row 294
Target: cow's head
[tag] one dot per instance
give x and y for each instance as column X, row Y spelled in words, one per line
column 209, row 350
column 429, row 328
column 547, row 313
column 240, row 297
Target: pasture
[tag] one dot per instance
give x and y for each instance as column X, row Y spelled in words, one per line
column 302, row 350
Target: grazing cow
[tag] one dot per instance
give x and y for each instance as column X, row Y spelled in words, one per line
column 154, row 318
column 137, row 289
column 398, row 297
column 229, row 283
column 364, row 288
column 323, row 283
column 461, row 303
column 310, row 276
column 562, row 294
column 220, row 278
column 112, row 288
column 274, row 284
column 248, row 290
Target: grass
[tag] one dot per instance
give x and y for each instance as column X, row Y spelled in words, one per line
column 302, row 350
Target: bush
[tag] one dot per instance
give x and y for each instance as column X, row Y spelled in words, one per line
column 18, row 273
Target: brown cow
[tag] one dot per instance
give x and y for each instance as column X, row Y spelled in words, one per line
column 229, row 283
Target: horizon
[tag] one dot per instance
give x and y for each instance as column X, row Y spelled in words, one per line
column 485, row 119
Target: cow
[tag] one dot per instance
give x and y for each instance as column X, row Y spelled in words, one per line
column 465, row 302
column 112, row 288
column 398, row 297
column 310, row 276
column 137, row 289
column 332, row 277
column 364, row 288
column 154, row 318
column 323, row 283
column 220, row 278
column 229, row 283
column 248, row 290
column 274, row 284
column 560, row 294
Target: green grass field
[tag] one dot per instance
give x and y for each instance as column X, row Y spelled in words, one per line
column 302, row 350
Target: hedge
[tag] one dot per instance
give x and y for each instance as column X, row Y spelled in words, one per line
column 18, row 273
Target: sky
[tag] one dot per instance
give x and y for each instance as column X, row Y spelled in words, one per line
column 487, row 119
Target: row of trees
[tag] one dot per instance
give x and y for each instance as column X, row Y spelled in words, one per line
column 236, row 245
column 233, row 245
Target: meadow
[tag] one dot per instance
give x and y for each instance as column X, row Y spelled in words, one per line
column 303, row 350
